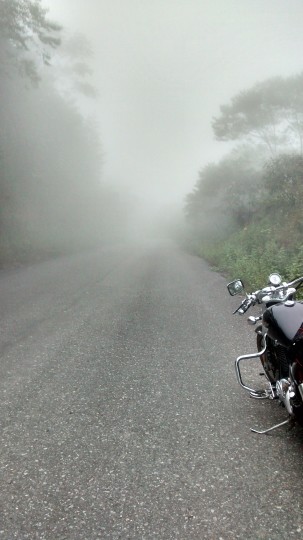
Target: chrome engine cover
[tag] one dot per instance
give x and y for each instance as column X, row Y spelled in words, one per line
column 285, row 392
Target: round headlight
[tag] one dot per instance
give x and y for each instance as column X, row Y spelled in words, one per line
column 275, row 279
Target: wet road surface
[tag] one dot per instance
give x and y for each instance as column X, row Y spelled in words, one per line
column 120, row 414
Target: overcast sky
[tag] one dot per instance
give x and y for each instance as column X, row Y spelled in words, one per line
column 163, row 68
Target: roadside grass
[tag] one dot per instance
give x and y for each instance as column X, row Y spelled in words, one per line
column 253, row 253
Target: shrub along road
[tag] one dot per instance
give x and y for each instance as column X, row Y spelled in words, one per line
column 120, row 413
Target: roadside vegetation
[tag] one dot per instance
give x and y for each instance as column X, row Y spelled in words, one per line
column 245, row 214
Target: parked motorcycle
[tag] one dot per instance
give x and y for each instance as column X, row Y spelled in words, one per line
column 279, row 342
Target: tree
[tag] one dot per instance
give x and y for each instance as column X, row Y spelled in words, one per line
column 293, row 88
column 27, row 37
column 72, row 71
column 226, row 194
column 270, row 112
column 50, row 159
column 283, row 180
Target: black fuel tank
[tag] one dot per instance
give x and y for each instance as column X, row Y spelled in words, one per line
column 284, row 322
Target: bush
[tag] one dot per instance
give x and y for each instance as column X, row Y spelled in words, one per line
column 252, row 254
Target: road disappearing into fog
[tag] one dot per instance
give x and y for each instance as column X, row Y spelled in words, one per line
column 121, row 417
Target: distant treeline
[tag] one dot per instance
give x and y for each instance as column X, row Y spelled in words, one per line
column 52, row 198
column 245, row 214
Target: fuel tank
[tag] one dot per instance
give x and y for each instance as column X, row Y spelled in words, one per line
column 284, row 322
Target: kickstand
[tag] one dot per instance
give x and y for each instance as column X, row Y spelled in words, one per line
column 272, row 428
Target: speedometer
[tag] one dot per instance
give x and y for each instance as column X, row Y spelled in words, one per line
column 275, row 279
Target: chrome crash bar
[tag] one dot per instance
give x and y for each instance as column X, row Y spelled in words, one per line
column 258, row 394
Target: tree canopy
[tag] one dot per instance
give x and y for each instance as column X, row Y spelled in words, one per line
column 270, row 112
column 225, row 195
column 245, row 212
column 27, row 37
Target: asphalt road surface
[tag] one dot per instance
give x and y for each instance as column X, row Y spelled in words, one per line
column 120, row 413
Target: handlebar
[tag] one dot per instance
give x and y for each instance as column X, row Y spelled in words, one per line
column 295, row 282
column 267, row 293
column 244, row 306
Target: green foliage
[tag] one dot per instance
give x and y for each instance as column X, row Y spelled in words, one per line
column 283, row 180
column 252, row 254
column 271, row 241
column 263, row 206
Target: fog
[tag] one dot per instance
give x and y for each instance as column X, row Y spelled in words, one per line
column 157, row 74
column 162, row 69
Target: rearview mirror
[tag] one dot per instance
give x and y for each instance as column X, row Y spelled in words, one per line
column 235, row 287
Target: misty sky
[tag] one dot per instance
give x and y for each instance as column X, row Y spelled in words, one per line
column 163, row 68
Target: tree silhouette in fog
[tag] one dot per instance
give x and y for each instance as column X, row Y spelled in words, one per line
column 52, row 198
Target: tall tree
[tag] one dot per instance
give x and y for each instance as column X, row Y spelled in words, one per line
column 270, row 112
column 27, row 37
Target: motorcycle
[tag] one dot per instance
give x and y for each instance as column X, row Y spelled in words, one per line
column 279, row 344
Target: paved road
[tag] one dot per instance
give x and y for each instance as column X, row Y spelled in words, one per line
column 120, row 414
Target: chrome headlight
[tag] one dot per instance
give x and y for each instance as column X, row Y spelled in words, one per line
column 275, row 279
